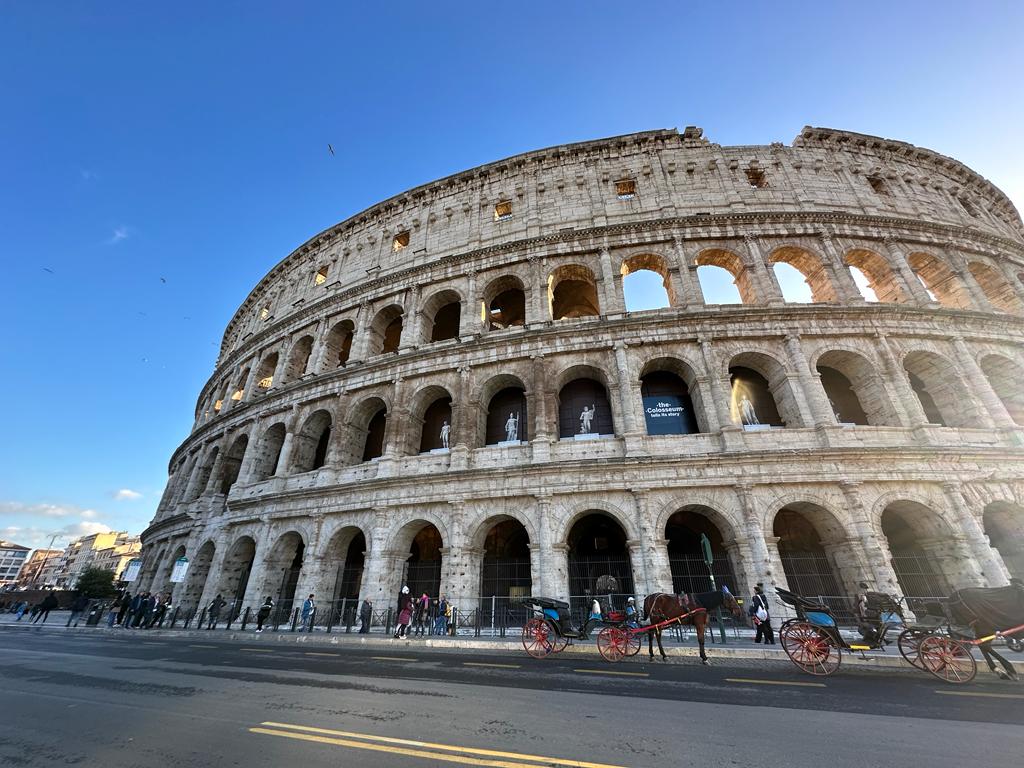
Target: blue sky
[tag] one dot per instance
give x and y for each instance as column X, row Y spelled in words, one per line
column 157, row 160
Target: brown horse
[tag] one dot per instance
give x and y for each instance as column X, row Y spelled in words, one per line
column 661, row 607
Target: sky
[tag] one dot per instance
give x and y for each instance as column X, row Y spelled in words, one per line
column 156, row 160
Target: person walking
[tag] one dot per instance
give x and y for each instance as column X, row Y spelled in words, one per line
column 440, row 618
column 761, row 616
column 147, row 610
column 126, row 601
column 131, row 617
column 404, row 613
column 78, row 607
column 365, row 616
column 163, row 605
column 22, row 607
column 112, row 612
column 213, row 612
column 264, row 612
column 420, row 615
column 308, row 612
column 49, row 603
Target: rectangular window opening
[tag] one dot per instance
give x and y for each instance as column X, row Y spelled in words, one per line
column 503, row 211
column 401, row 241
column 321, row 276
column 756, row 178
column 968, row 206
column 625, row 189
column 878, row 185
column 264, row 313
column 237, row 394
column 218, row 405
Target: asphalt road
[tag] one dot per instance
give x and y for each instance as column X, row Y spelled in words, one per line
column 144, row 701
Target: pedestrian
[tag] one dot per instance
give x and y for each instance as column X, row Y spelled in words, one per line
column 112, row 612
column 365, row 616
column 49, row 603
column 761, row 617
column 440, row 618
column 22, row 607
column 213, row 612
column 451, row 620
column 126, row 601
column 148, row 610
column 78, row 607
column 264, row 613
column 308, row 613
column 162, row 606
column 422, row 608
column 131, row 617
column 404, row 613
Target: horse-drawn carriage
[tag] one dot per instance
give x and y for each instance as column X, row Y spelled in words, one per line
column 939, row 643
column 550, row 629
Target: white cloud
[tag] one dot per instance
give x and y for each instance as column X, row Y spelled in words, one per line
column 31, row 536
column 120, row 233
column 42, row 510
column 127, row 494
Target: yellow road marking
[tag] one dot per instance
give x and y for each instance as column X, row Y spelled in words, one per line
column 202, row 646
column 482, row 664
column 316, row 653
column 256, row 650
column 390, row 658
column 146, row 642
column 610, row 672
column 309, row 730
column 983, row 695
column 772, row 682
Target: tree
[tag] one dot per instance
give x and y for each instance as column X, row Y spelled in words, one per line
column 96, row 582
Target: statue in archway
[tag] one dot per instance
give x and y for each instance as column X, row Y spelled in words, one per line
column 446, row 431
column 835, row 411
column 586, row 417
column 512, row 427
column 747, row 412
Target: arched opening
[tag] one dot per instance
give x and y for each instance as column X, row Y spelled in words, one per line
column 842, row 398
column 233, row 463
column 366, row 427
column 1004, row 526
column 996, row 288
column 268, row 453
column 234, row 575
column 572, row 292
column 507, row 417
column 338, row 345
column 646, row 284
column 311, row 443
column 505, row 576
column 870, row 403
column 162, row 582
column 423, row 568
column 298, row 360
column 195, row 577
column 283, row 568
column 801, row 275
column 752, row 403
column 597, row 548
column 873, row 276
column 940, row 282
column 668, row 408
column 265, row 373
column 386, row 331
column 342, row 577
column 443, row 313
column 808, row 545
column 239, row 391
column 205, row 470
column 504, row 303
column 918, row 542
column 943, row 397
column 733, row 286
column 435, row 433
column 373, row 446
column 1007, row 380
column 690, row 573
column 584, row 409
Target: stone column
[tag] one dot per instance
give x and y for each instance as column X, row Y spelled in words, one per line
column 550, row 578
column 250, row 380
column 559, row 570
column 912, row 287
column 254, row 587
column 251, row 453
column 413, row 334
column 648, row 552
column 768, row 289
column 911, row 406
column 380, row 565
column 612, row 301
column 993, row 409
column 690, row 290
column 539, row 312
column 461, row 562
column 719, row 396
column 469, row 315
column 809, row 384
column 981, row 302
column 845, row 287
column 761, row 566
column 627, row 390
column 989, row 563
column 881, row 572
column 542, row 399
column 284, row 460
column 360, row 335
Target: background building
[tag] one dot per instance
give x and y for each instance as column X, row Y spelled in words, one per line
column 12, row 559
column 104, row 550
column 447, row 390
column 40, row 568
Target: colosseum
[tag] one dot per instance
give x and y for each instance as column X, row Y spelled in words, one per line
column 449, row 389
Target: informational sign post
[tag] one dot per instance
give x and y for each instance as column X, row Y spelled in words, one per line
column 179, row 570
column 131, row 571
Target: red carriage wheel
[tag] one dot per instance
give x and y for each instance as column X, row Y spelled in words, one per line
column 635, row 641
column 538, row 639
column 947, row 659
column 558, row 642
column 613, row 643
column 908, row 642
column 810, row 649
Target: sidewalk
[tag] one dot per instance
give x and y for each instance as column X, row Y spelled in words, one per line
column 734, row 648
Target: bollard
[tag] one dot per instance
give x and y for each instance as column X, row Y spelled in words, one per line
column 245, row 618
column 330, row 619
column 350, row 618
column 476, row 628
column 231, row 617
column 295, row 619
column 174, row 616
column 312, row 620
column 387, row 623
column 501, row 625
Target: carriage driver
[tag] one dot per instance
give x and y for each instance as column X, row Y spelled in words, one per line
column 867, row 617
column 632, row 616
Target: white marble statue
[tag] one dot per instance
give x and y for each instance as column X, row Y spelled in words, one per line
column 747, row 412
column 585, row 418
column 446, row 430
column 512, row 427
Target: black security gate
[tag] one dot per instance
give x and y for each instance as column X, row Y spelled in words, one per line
column 690, row 574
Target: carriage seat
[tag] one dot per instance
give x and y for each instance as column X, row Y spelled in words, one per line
column 791, row 598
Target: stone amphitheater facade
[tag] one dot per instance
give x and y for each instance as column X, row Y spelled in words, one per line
column 891, row 444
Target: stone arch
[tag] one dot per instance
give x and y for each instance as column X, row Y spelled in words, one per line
column 597, row 545
column 997, row 289
column 419, row 547
column 690, row 573
column 367, row 424
column 232, row 463
column 386, row 330
column 312, row 442
column 584, row 387
column 234, row 573
column 504, row 303
column 282, row 567
column 816, row 552
column 920, row 544
column 720, row 258
column 1003, row 523
column 338, row 345
column 343, row 562
column 881, row 278
column 504, row 395
column 573, row 514
column 265, row 372
column 298, row 359
column 1006, row 378
column 939, row 280
column 239, row 390
column 505, row 568
column 181, row 491
column 811, row 266
column 857, row 394
column 268, row 452
column 431, row 409
column 762, row 380
column 204, row 471
column 939, row 389
column 162, row 582
column 442, row 315
column 572, row 292
column 675, row 378
column 647, row 262
column 195, row 578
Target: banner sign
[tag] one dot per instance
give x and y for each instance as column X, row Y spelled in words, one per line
column 131, row 571
column 667, row 415
column 179, row 570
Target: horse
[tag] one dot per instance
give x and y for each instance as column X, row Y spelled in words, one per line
column 662, row 606
column 986, row 611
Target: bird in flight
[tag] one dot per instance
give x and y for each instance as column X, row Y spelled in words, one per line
column 47, row 269
column 330, row 149
column 163, row 279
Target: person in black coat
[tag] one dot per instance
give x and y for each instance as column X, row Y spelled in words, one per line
column 122, row 609
column 49, row 603
column 78, row 607
column 365, row 616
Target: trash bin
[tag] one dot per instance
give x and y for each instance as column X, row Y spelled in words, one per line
column 94, row 615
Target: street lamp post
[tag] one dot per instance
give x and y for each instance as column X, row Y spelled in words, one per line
column 46, row 559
